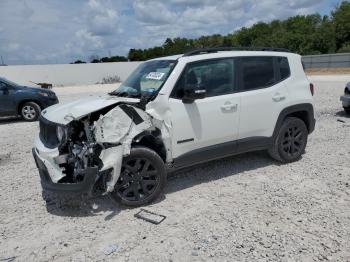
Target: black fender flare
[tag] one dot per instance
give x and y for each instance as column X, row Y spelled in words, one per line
column 307, row 112
column 157, row 143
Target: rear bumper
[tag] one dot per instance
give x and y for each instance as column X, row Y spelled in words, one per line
column 84, row 187
column 345, row 100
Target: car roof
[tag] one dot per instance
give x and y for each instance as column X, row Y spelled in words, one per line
column 172, row 57
column 223, row 54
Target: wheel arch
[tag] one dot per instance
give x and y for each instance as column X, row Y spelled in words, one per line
column 151, row 140
column 22, row 102
column 305, row 112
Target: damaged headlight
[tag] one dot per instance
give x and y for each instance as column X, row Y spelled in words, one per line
column 61, row 133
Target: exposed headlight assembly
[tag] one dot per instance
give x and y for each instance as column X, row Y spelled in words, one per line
column 61, row 133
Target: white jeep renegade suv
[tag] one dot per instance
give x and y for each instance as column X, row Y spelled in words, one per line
column 174, row 112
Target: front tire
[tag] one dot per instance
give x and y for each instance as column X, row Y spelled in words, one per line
column 142, row 178
column 290, row 142
column 30, row 111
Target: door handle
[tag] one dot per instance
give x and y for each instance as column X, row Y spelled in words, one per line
column 278, row 97
column 229, row 107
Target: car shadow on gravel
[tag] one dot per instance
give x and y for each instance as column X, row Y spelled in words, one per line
column 342, row 114
column 93, row 207
column 217, row 169
column 10, row 120
column 177, row 181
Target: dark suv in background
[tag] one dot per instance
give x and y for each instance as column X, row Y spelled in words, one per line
column 27, row 102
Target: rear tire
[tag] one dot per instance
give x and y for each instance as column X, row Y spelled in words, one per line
column 30, row 111
column 142, row 178
column 290, row 142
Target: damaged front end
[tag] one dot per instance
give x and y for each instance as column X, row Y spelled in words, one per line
column 85, row 155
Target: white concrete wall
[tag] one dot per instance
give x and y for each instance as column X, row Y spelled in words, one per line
column 70, row 74
column 330, row 78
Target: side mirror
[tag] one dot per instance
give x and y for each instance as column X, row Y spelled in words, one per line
column 190, row 95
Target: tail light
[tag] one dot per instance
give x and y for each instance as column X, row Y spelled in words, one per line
column 312, row 88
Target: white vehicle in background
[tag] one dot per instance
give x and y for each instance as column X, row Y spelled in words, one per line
column 171, row 113
column 346, row 99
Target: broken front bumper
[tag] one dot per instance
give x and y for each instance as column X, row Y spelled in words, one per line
column 346, row 100
column 50, row 173
column 85, row 186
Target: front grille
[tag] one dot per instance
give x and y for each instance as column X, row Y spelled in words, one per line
column 48, row 133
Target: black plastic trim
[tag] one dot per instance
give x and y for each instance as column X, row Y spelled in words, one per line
column 222, row 150
column 185, row 141
column 83, row 187
column 308, row 108
column 132, row 113
column 48, row 134
column 242, row 48
column 253, row 144
column 243, row 145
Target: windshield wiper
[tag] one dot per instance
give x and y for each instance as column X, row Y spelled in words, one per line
column 121, row 94
column 125, row 94
column 134, row 95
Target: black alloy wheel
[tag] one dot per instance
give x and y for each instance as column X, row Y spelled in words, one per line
column 293, row 141
column 290, row 142
column 142, row 178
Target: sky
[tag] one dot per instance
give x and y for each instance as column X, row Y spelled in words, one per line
column 62, row 31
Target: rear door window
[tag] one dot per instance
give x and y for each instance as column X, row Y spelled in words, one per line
column 257, row 72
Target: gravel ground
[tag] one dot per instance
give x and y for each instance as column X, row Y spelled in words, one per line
column 242, row 208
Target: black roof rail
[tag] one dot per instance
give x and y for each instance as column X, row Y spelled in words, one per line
column 218, row 49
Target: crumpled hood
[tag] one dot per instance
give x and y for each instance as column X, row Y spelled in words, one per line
column 67, row 112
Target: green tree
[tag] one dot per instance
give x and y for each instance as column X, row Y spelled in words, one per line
column 136, row 55
column 323, row 39
column 118, row 59
column 303, row 34
column 341, row 20
column 345, row 48
column 78, row 62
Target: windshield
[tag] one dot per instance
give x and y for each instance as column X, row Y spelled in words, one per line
column 147, row 79
column 6, row 81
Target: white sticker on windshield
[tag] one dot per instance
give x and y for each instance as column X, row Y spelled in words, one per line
column 155, row 75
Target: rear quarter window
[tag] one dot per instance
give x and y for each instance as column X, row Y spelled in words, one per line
column 283, row 64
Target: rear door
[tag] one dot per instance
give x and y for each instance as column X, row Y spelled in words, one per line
column 207, row 127
column 263, row 94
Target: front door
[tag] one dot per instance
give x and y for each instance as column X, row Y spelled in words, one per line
column 7, row 104
column 206, row 128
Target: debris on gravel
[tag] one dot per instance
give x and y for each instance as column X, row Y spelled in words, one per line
column 110, row 249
